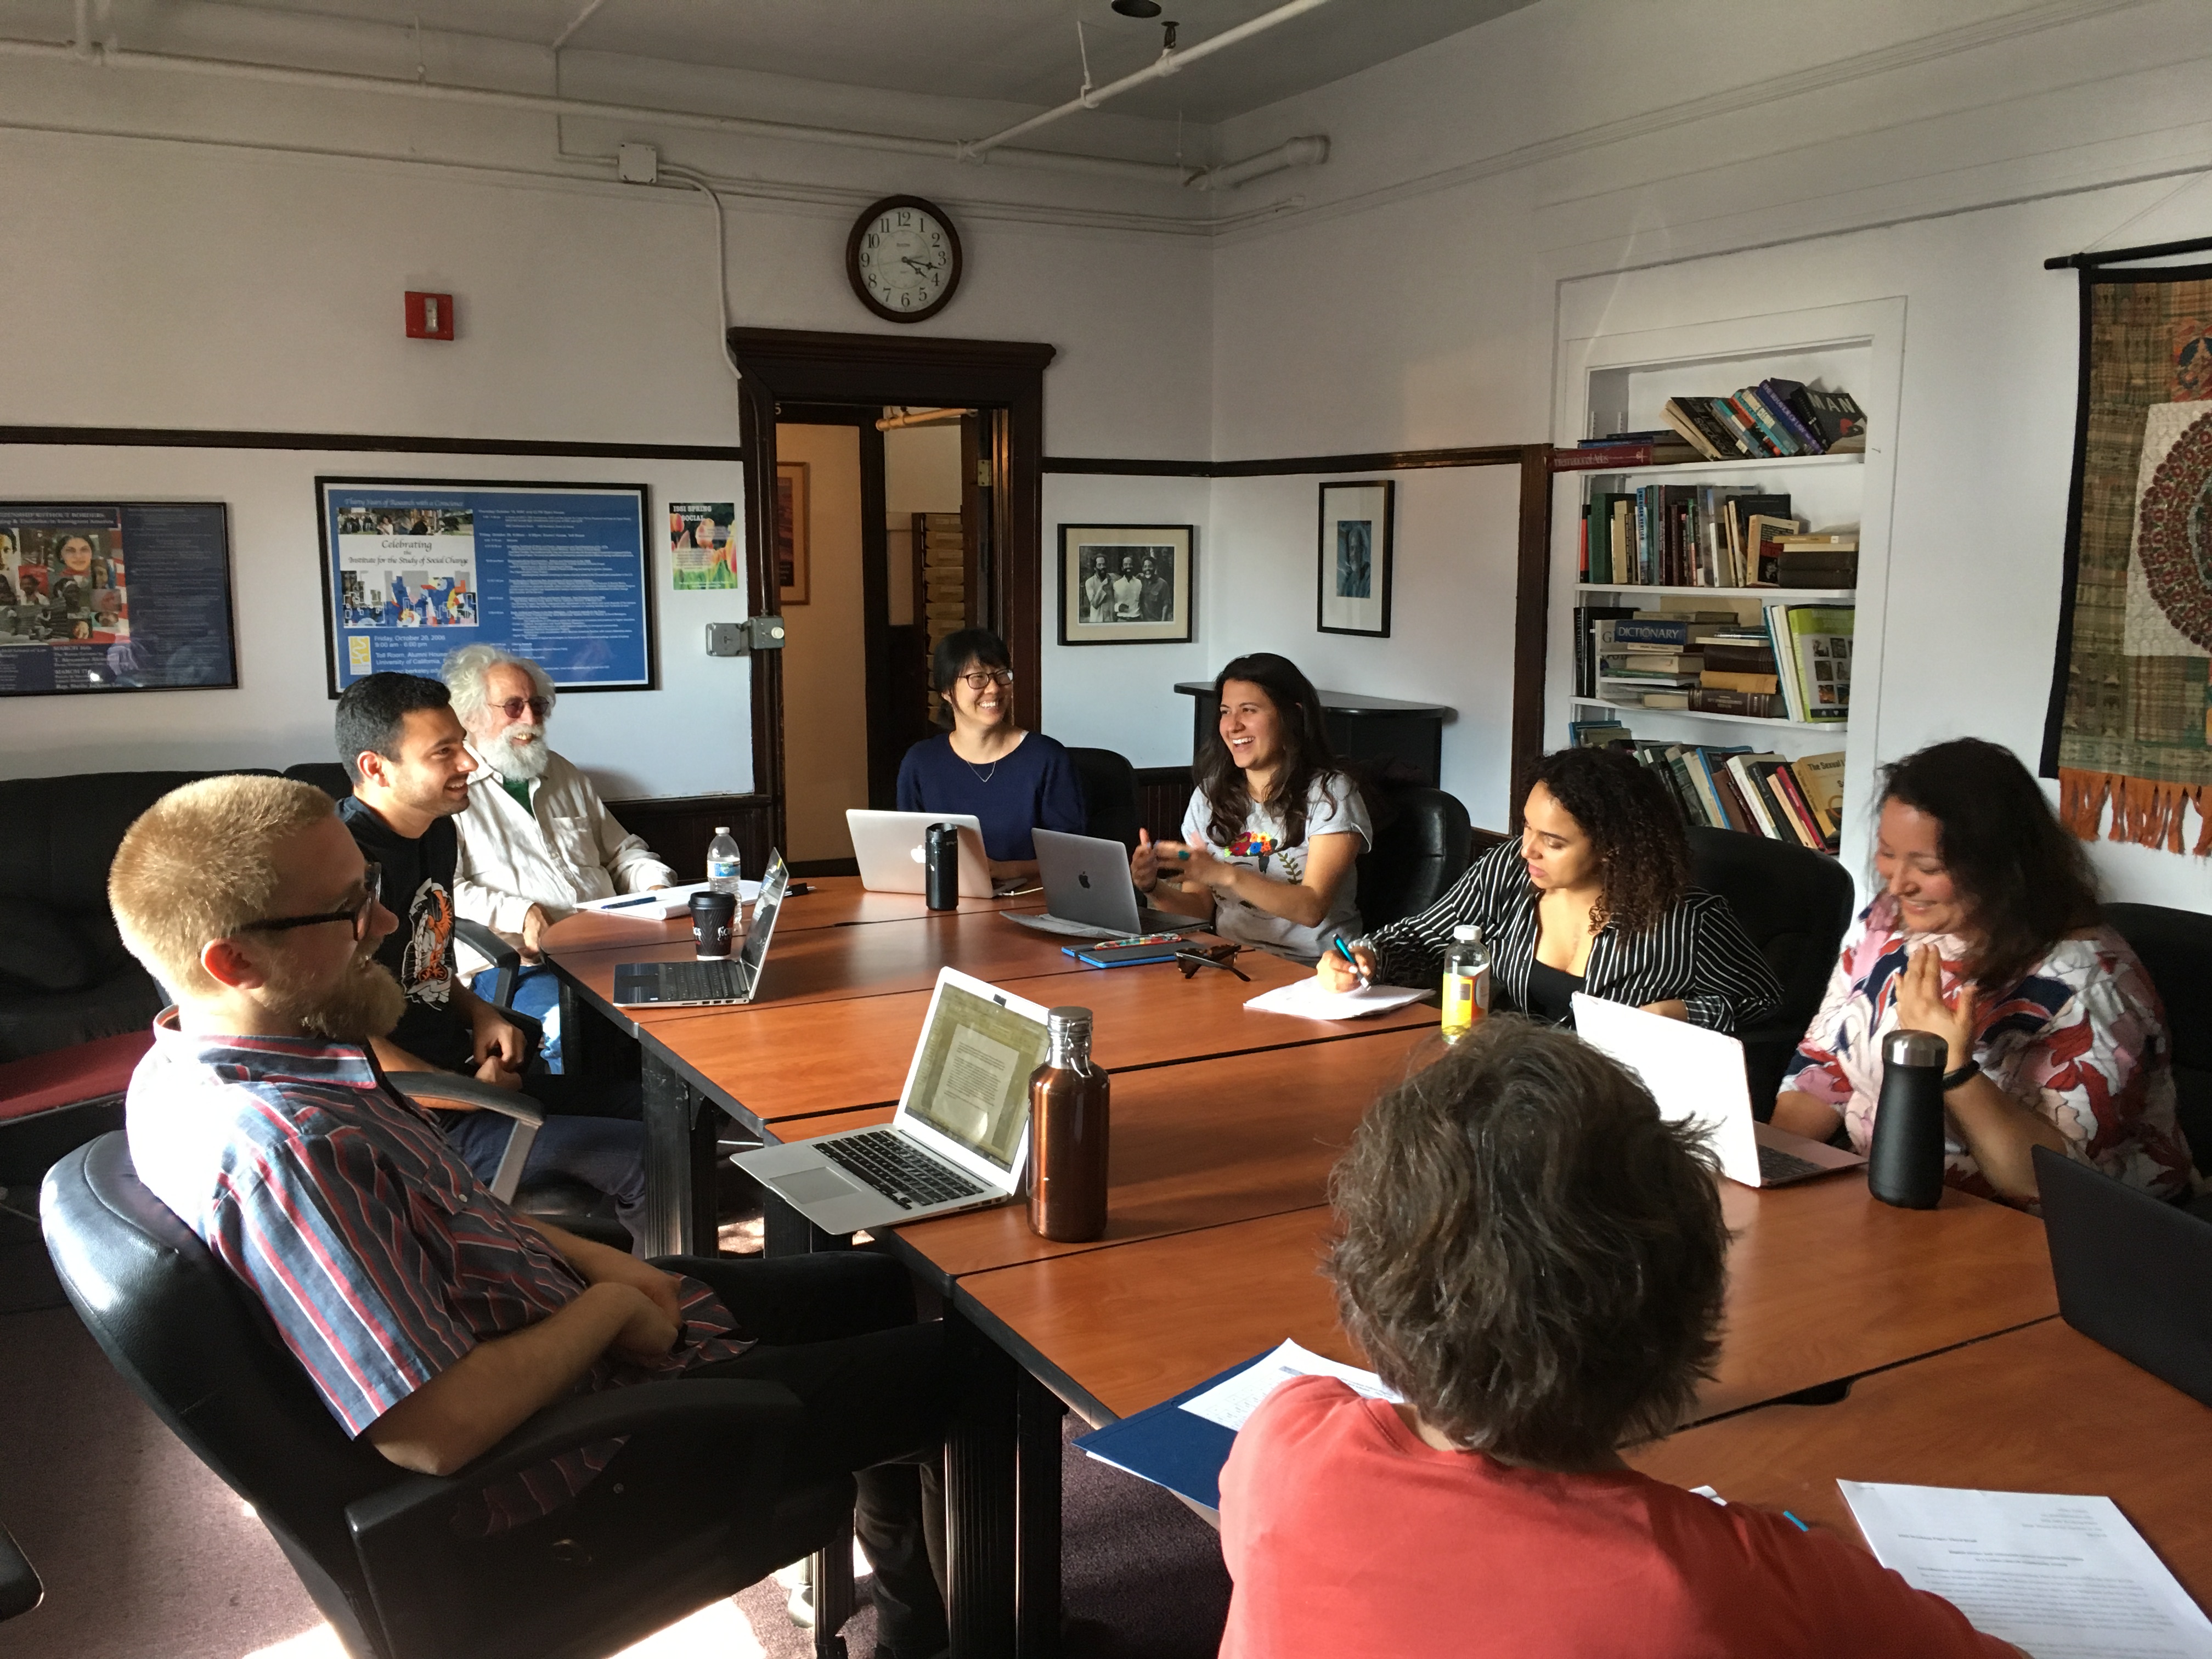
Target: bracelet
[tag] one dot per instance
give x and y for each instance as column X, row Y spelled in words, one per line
column 1965, row 1073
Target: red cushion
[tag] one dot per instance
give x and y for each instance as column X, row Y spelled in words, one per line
column 62, row 1077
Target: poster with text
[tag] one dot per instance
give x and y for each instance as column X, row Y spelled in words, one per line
column 703, row 548
column 98, row 596
column 556, row 573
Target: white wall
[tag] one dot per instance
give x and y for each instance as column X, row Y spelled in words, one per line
column 921, row 474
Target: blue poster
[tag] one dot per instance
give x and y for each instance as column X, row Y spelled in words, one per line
column 556, row 573
column 104, row 596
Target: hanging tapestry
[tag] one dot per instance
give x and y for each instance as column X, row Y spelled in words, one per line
column 2129, row 727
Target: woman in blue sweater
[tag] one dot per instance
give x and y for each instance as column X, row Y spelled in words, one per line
column 1010, row 780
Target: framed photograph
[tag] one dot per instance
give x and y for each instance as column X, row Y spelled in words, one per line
column 793, row 571
column 101, row 597
column 1127, row 584
column 415, row 567
column 1352, row 563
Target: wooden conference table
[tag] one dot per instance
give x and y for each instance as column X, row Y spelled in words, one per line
column 1226, row 1124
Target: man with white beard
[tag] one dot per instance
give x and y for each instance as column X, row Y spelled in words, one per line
column 536, row 839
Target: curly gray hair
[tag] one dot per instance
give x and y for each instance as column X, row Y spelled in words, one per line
column 466, row 669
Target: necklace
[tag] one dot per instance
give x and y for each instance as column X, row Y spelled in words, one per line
column 981, row 776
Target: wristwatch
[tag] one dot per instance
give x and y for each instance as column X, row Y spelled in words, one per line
column 1965, row 1073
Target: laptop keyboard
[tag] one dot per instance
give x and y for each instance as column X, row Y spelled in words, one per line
column 900, row 1172
column 699, row 982
column 1775, row 1165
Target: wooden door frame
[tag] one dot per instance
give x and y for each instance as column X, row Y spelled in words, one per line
column 799, row 366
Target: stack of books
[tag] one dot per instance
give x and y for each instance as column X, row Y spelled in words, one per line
column 1774, row 419
column 1813, row 654
column 1800, row 802
column 1740, row 675
column 1828, row 560
column 1653, row 657
column 1793, row 662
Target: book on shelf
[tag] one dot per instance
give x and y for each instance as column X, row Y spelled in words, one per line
column 1740, row 511
column 1811, row 646
column 1615, row 458
column 1834, row 418
column 1653, row 630
column 1587, row 620
column 1597, row 734
column 1731, row 786
column 1719, row 680
column 1776, row 419
column 1665, row 699
column 1763, row 536
column 1750, row 705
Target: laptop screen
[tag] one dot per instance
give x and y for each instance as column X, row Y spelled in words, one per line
column 765, row 907
column 971, row 1083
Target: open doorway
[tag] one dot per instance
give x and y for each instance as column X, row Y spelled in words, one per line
column 846, row 404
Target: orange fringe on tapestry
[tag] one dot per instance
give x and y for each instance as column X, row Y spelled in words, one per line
column 2147, row 813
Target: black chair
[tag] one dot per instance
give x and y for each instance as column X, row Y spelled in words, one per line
column 1110, row 791
column 20, row 1588
column 1795, row 904
column 2176, row 949
column 328, row 776
column 692, row 1508
column 1421, row 847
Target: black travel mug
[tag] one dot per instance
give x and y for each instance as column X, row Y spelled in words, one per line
column 940, row 855
column 1905, row 1167
column 713, row 920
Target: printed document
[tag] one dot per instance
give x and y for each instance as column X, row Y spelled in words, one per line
column 1309, row 999
column 2061, row 1578
column 1231, row 1401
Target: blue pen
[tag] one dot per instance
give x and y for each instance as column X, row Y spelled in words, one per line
column 1794, row 1521
column 1339, row 941
column 631, row 904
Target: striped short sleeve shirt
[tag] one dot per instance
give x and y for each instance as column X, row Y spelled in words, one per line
column 381, row 1258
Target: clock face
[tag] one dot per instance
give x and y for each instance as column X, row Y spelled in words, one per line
column 903, row 258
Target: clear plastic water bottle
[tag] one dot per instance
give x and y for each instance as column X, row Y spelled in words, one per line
column 725, row 869
column 1467, row 981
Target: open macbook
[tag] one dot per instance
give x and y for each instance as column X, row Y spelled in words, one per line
column 888, row 848
column 1088, row 893
column 2133, row 1271
column 961, row 1136
column 1697, row 1075
column 696, row 984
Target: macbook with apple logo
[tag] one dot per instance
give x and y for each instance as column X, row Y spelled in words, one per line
column 1088, row 894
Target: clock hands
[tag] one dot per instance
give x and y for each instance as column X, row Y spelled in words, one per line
column 918, row 264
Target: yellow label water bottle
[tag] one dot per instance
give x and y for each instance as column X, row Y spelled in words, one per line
column 1467, row 981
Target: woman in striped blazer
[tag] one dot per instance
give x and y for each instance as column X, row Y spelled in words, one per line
column 1595, row 897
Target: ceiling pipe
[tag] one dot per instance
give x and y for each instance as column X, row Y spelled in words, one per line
column 85, row 47
column 907, row 417
column 1166, row 63
column 540, row 104
column 1310, row 152
column 577, row 22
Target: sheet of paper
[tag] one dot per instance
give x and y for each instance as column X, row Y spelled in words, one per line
column 1309, row 999
column 2063, row 1578
column 1228, row 1403
column 659, row 906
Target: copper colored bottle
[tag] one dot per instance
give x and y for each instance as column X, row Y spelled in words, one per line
column 1067, row 1134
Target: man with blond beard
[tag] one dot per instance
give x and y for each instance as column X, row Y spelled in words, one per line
column 431, row 1318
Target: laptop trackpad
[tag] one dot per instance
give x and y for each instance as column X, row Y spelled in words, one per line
column 811, row 1186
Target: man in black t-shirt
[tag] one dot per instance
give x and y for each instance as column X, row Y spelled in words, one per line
column 408, row 757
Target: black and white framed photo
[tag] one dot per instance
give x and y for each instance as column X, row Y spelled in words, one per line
column 1126, row 584
column 1353, row 559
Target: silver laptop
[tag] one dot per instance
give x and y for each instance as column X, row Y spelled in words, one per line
column 890, row 849
column 962, row 1134
column 700, row 984
column 1697, row 1075
column 1088, row 893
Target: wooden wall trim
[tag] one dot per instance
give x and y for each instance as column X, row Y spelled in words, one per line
column 1532, row 594
column 1381, row 461
column 151, row 437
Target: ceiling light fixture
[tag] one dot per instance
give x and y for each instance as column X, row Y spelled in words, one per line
column 1138, row 7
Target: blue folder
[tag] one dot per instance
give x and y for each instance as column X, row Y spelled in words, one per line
column 1171, row 1447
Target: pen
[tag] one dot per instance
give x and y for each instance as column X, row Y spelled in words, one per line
column 1339, row 941
column 631, row 904
column 1794, row 1521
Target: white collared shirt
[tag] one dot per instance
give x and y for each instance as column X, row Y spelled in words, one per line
column 566, row 848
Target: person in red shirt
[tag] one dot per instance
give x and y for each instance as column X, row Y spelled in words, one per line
column 1535, row 1260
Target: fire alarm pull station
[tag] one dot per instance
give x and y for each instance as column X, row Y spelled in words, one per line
column 429, row 316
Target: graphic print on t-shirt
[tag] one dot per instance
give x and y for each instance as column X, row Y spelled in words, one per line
column 426, row 971
column 1254, row 844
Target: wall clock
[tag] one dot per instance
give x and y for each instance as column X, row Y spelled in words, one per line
column 903, row 258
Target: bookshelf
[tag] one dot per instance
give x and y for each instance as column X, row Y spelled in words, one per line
column 1611, row 382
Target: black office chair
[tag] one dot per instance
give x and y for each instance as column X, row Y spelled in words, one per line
column 20, row 1588
column 329, row 777
column 693, row 1508
column 1795, row 904
column 1109, row 791
column 2176, row 948
column 1421, row 847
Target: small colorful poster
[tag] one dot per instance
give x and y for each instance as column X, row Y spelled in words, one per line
column 703, row 548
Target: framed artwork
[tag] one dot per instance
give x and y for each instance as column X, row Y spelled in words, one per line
column 416, row 567
column 1127, row 584
column 1352, row 561
column 114, row 596
column 794, row 570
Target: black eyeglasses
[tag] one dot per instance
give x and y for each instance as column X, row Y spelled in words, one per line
column 1192, row 957
column 512, row 707
column 372, row 878
column 982, row 680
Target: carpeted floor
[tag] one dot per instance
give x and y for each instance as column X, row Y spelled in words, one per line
column 146, row 1555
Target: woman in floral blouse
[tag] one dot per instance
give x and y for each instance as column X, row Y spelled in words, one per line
column 1987, row 933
